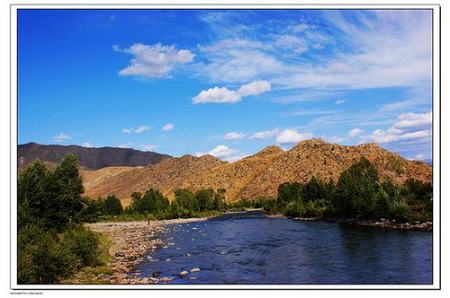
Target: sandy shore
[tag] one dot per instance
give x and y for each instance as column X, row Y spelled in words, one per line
column 130, row 242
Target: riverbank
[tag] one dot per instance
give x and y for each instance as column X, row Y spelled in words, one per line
column 381, row 223
column 128, row 242
column 391, row 224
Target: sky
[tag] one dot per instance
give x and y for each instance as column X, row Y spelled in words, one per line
column 225, row 82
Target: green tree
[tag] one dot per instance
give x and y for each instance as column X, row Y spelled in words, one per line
column 219, row 199
column 112, row 206
column 356, row 189
column 314, row 190
column 288, row 192
column 205, row 199
column 151, row 202
column 186, row 199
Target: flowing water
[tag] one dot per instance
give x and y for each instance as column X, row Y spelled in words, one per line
column 250, row 248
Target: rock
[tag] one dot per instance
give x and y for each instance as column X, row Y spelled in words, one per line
column 182, row 274
column 120, row 254
column 165, row 279
column 156, row 274
column 196, row 269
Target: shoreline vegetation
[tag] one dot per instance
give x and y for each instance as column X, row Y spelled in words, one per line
column 64, row 237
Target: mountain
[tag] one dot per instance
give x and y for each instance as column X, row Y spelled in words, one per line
column 90, row 158
column 254, row 176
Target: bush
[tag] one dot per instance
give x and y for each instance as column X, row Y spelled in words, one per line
column 84, row 244
column 400, row 211
column 49, row 203
column 294, row 209
column 42, row 259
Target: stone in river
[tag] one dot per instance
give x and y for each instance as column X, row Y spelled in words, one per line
column 165, row 279
column 196, row 269
column 183, row 274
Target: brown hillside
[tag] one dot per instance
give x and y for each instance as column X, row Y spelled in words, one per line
column 254, row 176
column 167, row 175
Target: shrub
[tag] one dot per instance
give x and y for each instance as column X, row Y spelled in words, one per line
column 294, row 209
column 41, row 257
column 400, row 211
column 84, row 244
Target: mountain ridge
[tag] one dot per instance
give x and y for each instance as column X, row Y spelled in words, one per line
column 89, row 157
column 254, row 176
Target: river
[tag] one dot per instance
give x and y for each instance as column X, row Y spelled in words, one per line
column 251, row 248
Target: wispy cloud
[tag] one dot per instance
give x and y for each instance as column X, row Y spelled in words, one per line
column 234, row 135
column 168, row 127
column 136, row 130
column 61, row 137
column 264, row 134
column 148, row 147
column 87, row 145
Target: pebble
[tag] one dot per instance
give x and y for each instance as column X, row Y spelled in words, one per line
column 183, row 274
column 196, row 269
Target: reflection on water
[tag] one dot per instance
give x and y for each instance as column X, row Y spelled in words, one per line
column 254, row 249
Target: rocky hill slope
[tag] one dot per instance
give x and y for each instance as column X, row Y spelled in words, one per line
column 90, row 158
column 254, row 176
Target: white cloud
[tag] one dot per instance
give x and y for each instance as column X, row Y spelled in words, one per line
column 299, row 27
column 225, row 153
column 232, row 136
column 136, row 130
column 236, row 157
column 409, row 127
column 222, row 151
column 142, row 129
column 419, row 156
column 168, row 127
column 148, row 147
column 410, row 120
column 340, row 101
column 291, row 136
column 254, row 88
column 354, row 133
column 336, row 139
column 153, row 61
column 217, row 95
column 87, row 145
column 225, row 95
column 265, row 134
column 128, row 145
column 61, row 137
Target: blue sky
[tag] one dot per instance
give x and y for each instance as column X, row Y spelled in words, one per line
column 225, row 82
